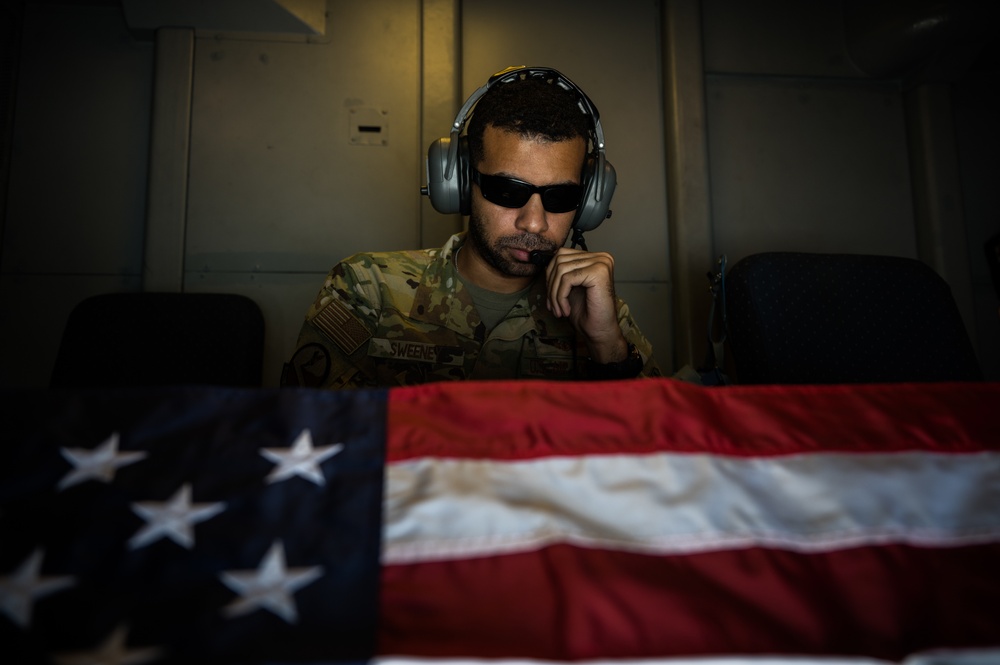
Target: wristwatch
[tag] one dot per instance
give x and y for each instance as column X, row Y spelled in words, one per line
column 623, row 369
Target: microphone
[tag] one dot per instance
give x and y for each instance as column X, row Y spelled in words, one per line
column 540, row 258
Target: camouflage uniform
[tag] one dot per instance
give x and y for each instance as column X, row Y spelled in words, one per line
column 403, row 318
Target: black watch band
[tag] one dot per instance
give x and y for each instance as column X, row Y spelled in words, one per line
column 623, row 369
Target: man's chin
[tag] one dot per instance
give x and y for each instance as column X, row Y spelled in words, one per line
column 514, row 269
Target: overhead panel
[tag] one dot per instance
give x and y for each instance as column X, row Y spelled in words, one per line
column 289, row 17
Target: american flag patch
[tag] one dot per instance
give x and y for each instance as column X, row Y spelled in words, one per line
column 338, row 323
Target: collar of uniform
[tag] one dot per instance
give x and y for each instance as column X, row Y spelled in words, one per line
column 440, row 298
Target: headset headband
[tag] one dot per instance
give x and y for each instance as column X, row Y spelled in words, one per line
column 541, row 73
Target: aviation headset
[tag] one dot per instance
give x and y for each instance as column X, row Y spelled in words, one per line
column 449, row 171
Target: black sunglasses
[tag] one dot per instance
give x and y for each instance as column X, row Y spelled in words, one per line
column 511, row 193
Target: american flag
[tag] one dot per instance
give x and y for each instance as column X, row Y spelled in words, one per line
column 658, row 520
column 623, row 522
column 189, row 526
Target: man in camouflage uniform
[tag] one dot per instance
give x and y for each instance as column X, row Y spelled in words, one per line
column 479, row 307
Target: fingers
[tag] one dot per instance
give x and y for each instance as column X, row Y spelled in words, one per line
column 592, row 272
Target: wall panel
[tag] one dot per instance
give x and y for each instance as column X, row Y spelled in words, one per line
column 276, row 183
column 77, row 187
column 808, row 165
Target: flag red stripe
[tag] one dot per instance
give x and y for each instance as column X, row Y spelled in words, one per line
column 521, row 420
column 565, row 602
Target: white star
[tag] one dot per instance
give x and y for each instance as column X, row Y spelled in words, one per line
column 300, row 460
column 173, row 518
column 111, row 652
column 19, row 590
column 101, row 463
column 270, row 586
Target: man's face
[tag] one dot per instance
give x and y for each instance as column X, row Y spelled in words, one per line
column 503, row 237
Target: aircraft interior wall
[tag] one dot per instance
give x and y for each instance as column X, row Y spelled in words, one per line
column 228, row 158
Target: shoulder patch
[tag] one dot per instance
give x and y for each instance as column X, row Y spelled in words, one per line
column 340, row 324
column 309, row 367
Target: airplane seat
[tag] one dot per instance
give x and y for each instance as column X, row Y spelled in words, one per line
column 843, row 318
column 161, row 339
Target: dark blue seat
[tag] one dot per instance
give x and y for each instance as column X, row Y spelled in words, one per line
column 843, row 318
column 161, row 339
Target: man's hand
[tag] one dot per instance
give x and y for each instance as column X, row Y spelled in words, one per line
column 581, row 285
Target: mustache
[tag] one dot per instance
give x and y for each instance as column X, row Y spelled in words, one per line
column 527, row 242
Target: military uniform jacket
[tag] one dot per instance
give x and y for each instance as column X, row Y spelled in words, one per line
column 404, row 318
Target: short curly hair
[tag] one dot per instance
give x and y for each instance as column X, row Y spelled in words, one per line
column 529, row 107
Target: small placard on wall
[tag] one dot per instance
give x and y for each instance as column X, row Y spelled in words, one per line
column 369, row 126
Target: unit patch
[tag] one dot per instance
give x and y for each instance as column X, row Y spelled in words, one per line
column 308, row 368
column 340, row 324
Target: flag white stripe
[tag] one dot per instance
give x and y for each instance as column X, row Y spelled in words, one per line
column 443, row 508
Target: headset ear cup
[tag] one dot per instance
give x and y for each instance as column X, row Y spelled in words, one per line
column 595, row 207
column 443, row 192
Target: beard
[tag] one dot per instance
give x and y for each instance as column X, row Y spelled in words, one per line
column 490, row 248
